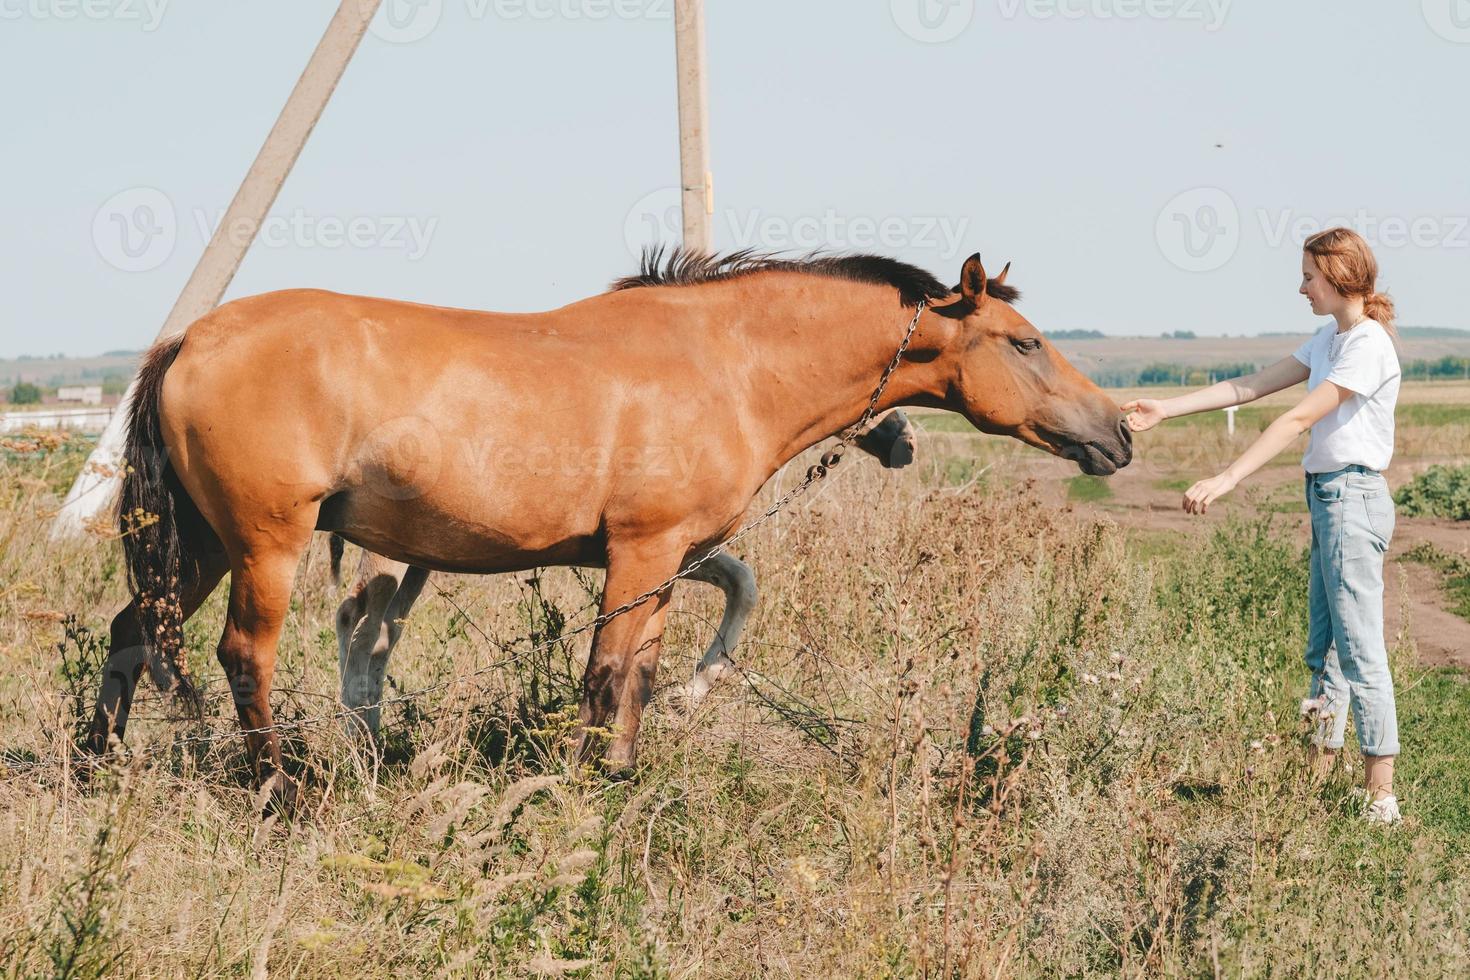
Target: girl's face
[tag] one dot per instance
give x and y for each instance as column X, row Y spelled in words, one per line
column 1324, row 297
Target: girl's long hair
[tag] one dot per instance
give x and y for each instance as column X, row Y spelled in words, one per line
column 1346, row 261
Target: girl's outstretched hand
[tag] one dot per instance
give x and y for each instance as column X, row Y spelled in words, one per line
column 1197, row 499
column 1144, row 413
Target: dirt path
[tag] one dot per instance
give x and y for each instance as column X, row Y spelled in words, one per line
column 1414, row 597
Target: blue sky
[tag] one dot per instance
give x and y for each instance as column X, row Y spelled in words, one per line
column 512, row 154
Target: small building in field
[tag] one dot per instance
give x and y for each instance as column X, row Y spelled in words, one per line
column 80, row 394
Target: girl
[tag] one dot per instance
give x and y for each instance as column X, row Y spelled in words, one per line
column 1352, row 372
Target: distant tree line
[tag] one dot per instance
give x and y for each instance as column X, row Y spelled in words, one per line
column 24, row 393
column 1192, row 375
column 1167, row 373
column 1076, row 334
column 1444, row 369
column 113, row 380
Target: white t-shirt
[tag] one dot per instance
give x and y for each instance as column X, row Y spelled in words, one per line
column 1360, row 430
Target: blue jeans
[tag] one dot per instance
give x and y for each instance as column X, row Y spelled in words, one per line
column 1352, row 524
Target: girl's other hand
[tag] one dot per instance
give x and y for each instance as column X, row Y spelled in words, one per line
column 1144, row 413
column 1197, row 499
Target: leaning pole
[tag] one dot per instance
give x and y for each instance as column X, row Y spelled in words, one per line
column 95, row 490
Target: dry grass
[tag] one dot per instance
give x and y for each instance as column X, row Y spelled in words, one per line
column 975, row 736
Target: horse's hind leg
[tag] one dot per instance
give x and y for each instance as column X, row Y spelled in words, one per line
column 384, row 594
column 125, row 655
column 262, row 574
column 360, row 630
column 737, row 581
column 398, row 609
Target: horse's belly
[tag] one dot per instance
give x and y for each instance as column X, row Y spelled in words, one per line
column 474, row 529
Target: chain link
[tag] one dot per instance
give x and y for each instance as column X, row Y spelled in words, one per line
column 814, row 474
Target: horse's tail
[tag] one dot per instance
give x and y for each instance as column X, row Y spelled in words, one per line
column 164, row 535
column 335, row 545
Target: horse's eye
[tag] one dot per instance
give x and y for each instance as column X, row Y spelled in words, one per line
column 1027, row 345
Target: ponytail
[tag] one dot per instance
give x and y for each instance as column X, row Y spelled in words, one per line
column 1380, row 308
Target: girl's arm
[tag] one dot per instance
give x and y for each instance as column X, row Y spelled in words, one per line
column 1278, row 435
column 1149, row 412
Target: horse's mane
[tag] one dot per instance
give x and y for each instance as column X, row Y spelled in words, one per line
column 678, row 266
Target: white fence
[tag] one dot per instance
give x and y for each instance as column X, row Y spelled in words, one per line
column 85, row 419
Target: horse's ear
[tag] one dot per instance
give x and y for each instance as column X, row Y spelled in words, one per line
column 1000, row 279
column 972, row 280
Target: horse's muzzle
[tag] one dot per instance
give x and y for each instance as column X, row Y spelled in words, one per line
column 1103, row 457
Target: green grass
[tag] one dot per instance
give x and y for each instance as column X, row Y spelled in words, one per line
column 1434, row 719
column 1088, row 489
column 960, row 470
column 1455, row 568
column 1285, row 499
column 1432, row 414
column 1255, row 418
column 1146, row 544
column 945, row 422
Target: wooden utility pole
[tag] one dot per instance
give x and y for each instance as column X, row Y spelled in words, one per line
column 96, row 487
column 697, row 199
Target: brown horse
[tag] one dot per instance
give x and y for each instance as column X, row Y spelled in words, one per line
column 370, row 619
column 630, row 430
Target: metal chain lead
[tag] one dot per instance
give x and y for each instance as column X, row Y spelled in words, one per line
column 814, row 474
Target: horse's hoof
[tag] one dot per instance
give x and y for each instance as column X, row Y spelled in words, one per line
column 618, row 762
column 616, row 772
column 360, row 727
column 94, row 756
column 281, row 795
column 85, row 767
column 706, row 676
column 694, row 692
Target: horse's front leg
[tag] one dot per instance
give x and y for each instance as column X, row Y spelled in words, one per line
column 621, row 669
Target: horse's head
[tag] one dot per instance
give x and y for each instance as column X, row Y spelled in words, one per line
column 1009, row 380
